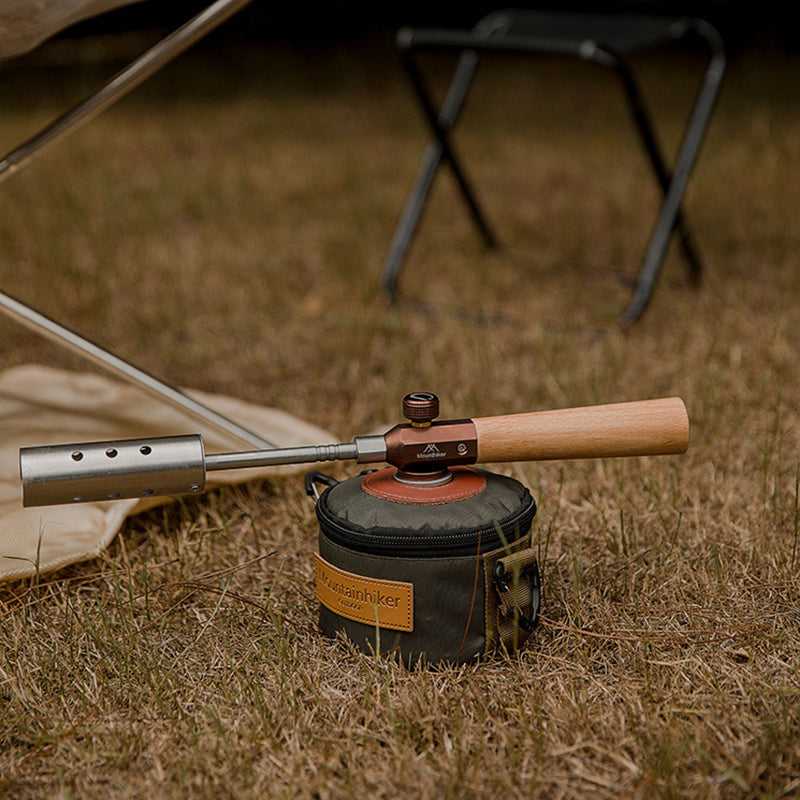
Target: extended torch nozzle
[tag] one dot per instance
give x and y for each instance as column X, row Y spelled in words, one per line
column 167, row 465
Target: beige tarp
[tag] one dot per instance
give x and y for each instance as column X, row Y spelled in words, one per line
column 40, row 405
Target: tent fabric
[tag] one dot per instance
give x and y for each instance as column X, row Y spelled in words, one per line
column 42, row 405
column 25, row 24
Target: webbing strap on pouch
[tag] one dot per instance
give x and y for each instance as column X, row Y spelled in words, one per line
column 513, row 606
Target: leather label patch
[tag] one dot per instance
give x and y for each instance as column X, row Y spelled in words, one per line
column 388, row 604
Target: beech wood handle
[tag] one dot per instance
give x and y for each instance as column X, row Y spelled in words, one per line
column 639, row 428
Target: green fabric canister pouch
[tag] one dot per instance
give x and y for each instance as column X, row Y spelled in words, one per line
column 432, row 572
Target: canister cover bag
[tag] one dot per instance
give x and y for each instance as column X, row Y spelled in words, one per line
column 412, row 568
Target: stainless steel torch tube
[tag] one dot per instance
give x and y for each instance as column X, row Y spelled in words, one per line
column 363, row 449
column 71, row 473
column 170, row 465
column 281, row 455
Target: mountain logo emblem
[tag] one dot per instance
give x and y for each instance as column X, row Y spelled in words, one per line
column 431, row 451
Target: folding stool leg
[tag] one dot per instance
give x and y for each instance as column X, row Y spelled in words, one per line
column 407, row 226
column 683, row 166
column 169, row 48
column 29, row 317
column 650, row 143
column 441, row 124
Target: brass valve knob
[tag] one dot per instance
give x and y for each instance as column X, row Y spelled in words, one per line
column 421, row 408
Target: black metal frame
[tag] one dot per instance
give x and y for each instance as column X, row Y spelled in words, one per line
column 600, row 39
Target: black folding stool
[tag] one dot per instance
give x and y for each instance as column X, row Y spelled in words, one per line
column 598, row 38
column 158, row 56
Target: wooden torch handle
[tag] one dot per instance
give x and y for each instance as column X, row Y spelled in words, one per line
column 639, row 428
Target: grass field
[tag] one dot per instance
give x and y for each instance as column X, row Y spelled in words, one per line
column 224, row 227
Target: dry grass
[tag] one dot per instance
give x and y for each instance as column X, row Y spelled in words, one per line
column 225, row 227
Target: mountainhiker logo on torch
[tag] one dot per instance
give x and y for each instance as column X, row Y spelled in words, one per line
column 431, row 451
